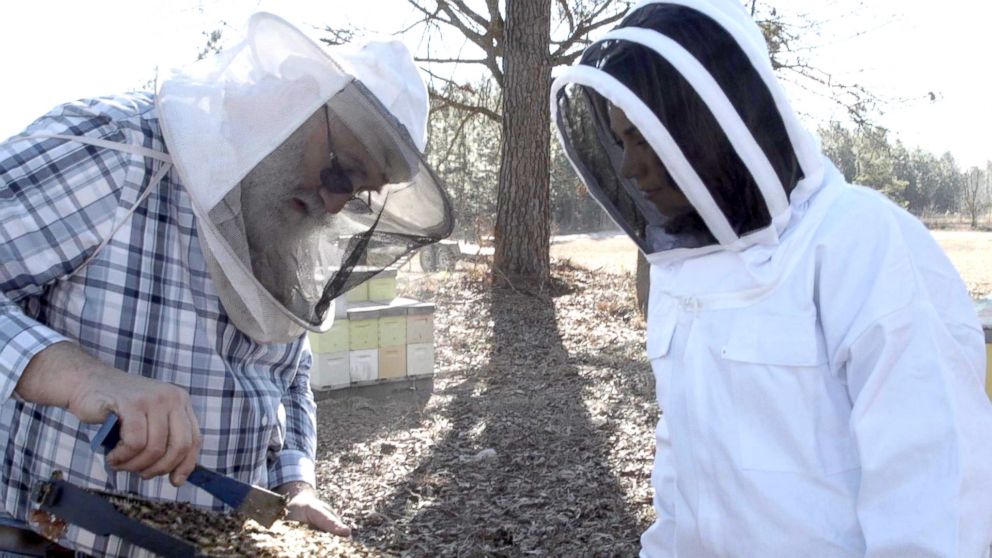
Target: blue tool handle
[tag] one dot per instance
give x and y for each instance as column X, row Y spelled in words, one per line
column 225, row 489
column 108, row 435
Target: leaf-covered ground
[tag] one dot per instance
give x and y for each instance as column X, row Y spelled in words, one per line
column 536, row 440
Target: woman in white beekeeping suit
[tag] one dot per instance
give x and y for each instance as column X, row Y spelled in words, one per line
column 817, row 358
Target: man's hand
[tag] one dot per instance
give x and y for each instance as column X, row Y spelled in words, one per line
column 159, row 431
column 306, row 507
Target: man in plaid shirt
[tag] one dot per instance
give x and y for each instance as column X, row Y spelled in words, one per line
column 112, row 298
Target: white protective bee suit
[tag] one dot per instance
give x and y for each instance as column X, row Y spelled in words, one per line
column 817, row 357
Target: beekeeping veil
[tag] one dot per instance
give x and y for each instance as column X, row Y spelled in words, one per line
column 277, row 258
column 694, row 78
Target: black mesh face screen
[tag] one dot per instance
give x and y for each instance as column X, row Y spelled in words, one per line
column 584, row 126
column 726, row 61
column 680, row 109
column 306, row 251
column 592, row 147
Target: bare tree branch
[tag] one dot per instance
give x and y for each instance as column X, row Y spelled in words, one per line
column 566, row 11
column 421, row 9
column 854, row 99
column 494, row 14
column 450, row 82
column 483, row 22
column 586, row 26
column 459, row 24
column 424, row 21
column 454, row 139
column 497, row 72
column 339, row 36
column 428, row 15
column 457, row 14
column 483, row 61
column 444, row 102
column 567, row 59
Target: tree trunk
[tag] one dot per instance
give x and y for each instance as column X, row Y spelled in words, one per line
column 642, row 284
column 523, row 215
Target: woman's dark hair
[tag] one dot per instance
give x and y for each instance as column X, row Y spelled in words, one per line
column 691, row 123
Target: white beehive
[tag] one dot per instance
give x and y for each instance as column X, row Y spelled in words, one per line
column 331, row 371
column 364, row 365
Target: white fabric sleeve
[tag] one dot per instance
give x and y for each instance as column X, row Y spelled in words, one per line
column 923, row 428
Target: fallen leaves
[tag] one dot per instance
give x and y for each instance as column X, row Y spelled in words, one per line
column 230, row 535
column 536, row 441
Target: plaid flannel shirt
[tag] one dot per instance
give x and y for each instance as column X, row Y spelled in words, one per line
column 144, row 304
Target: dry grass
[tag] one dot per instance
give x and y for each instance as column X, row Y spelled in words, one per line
column 970, row 251
column 616, row 254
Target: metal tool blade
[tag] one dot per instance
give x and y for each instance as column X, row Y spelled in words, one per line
column 264, row 506
column 95, row 514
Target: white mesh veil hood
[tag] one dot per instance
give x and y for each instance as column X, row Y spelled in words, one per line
column 733, row 21
column 222, row 115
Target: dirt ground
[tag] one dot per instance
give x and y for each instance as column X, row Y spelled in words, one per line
column 536, row 437
column 970, row 251
column 536, row 440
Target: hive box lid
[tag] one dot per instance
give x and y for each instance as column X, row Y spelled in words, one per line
column 412, row 306
column 367, row 311
column 421, row 308
column 390, row 311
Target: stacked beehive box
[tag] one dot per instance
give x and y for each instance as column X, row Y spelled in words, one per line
column 985, row 317
column 376, row 337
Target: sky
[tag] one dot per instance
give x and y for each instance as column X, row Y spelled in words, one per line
column 901, row 50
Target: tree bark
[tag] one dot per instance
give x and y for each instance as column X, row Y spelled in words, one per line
column 523, row 215
column 642, row 284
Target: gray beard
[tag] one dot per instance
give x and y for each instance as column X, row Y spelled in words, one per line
column 283, row 243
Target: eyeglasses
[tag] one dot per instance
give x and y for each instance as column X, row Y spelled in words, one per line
column 336, row 180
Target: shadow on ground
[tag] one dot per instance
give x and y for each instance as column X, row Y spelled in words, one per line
column 524, row 468
column 544, row 449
